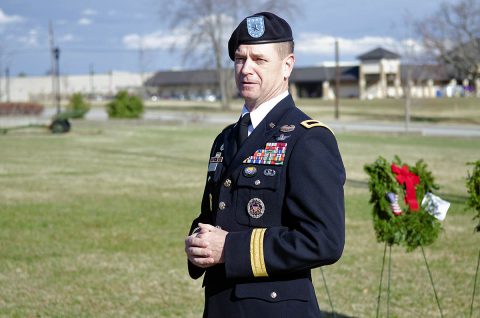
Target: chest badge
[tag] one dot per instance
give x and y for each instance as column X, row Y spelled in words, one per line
column 250, row 171
column 269, row 172
column 282, row 137
column 255, row 208
column 287, row 128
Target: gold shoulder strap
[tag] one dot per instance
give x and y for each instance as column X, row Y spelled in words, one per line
column 310, row 123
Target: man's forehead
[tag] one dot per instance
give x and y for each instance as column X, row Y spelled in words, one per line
column 256, row 49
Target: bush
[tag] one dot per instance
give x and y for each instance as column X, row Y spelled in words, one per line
column 473, row 188
column 78, row 106
column 125, row 106
column 20, row 109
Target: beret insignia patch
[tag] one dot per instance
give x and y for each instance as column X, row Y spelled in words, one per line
column 255, row 26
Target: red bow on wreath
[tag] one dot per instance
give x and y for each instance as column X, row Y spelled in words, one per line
column 410, row 180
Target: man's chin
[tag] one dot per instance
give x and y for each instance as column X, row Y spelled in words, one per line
column 248, row 95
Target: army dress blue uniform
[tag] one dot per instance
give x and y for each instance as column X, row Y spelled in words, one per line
column 280, row 197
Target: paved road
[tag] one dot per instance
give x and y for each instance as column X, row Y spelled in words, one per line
column 338, row 126
column 415, row 128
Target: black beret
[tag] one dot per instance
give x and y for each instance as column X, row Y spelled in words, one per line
column 260, row 28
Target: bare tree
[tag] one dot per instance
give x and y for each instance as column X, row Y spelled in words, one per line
column 414, row 69
column 452, row 35
column 207, row 25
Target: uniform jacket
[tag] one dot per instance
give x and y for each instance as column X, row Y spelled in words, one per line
column 280, row 197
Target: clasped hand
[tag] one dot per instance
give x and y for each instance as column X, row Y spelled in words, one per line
column 205, row 248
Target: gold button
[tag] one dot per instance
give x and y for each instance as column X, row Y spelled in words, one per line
column 222, row 205
column 227, row 183
column 273, row 295
column 257, row 182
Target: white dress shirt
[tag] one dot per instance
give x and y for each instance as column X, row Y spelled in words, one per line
column 261, row 111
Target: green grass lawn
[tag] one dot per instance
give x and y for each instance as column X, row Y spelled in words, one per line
column 92, row 224
column 424, row 110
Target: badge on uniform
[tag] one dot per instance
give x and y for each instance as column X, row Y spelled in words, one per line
column 255, row 208
column 249, row 171
column 214, row 161
column 282, row 137
column 273, row 154
column 287, row 128
column 269, row 172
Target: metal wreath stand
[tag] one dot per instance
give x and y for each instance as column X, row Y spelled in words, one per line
column 475, row 284
column 389, row 280
column 328, row 293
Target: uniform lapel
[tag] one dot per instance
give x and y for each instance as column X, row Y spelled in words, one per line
column 262, row 133
column 230, row 144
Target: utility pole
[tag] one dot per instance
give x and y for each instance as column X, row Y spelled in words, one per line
column 52, row 60
column 337, row 81
column 141, row 59
column 0, row 77
column 7, row 84
column 110, row 82
column 57, row 69
column 92, row 86
column 408, row 98
column 141, row 65
column 408, row 88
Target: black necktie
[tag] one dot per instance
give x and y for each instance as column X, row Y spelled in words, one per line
column 243, row 124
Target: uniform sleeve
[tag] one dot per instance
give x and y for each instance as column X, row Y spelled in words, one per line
column 314, row 208
column 204, row 217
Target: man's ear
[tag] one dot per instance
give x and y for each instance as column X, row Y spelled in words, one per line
column 288, row 63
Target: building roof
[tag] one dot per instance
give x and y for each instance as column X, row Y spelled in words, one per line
column 378, row 54
column 190, row 77
column 323, row 73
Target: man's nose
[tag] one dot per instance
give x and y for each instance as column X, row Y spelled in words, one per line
column 247, row 67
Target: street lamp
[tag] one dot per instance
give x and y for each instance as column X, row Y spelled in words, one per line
column 56, row 53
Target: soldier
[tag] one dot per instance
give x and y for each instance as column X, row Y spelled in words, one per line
column 273, row 205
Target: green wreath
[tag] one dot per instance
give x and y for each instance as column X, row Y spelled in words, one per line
column 473, row 188
column 397, row 222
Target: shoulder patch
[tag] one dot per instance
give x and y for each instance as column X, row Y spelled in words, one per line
column 310, row 123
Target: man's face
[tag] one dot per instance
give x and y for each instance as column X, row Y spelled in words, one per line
column 260, row 72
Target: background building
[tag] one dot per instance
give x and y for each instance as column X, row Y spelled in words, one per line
column 378, row 73
column 95, row 86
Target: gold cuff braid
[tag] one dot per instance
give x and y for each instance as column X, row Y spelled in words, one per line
column 257, row 259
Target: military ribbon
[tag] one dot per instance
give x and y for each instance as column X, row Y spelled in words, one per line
column 410, row 180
